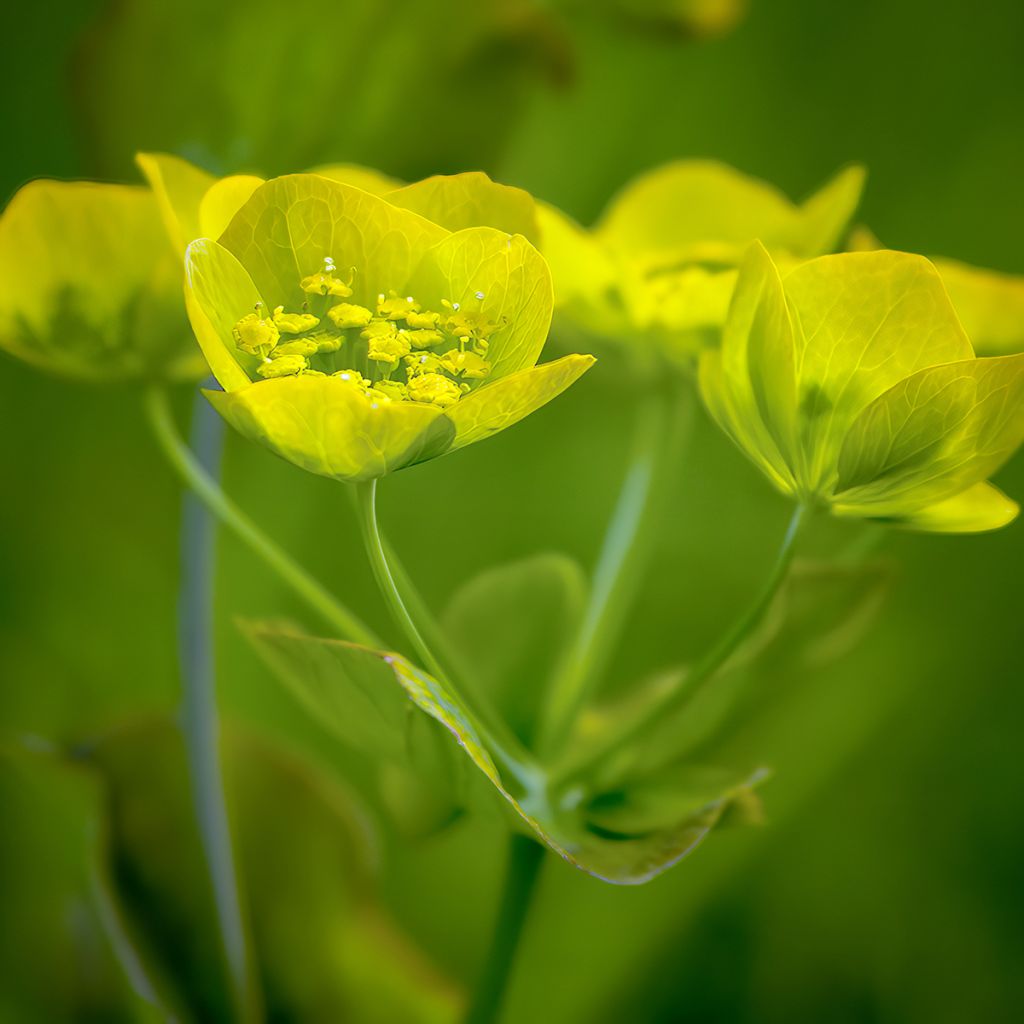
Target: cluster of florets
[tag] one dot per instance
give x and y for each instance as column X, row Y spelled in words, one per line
column 395, row 352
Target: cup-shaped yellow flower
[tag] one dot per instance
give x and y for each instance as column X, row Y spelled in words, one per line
column 89, row 286
column 354, row 337
column 851, row 384
column 659, row 267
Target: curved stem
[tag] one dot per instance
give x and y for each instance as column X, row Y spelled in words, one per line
column 199, row 718
column 524, row 862
column 660, row 425
column 209, row 492
column 706, row 667
column 507, row 749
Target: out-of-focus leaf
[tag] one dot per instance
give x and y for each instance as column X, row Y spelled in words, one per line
column 323, row 948
column 511, row 625
column 559, row 820
column 820, row 613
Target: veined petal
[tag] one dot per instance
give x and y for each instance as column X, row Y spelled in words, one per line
column 494, row 407
column 457, row 201
column 690, row 202
column 726, row 374
column 290, row 224
column 825, row 216
column 179, row 188
column 222, row 200
column 975, row 510
column 357, row 176
column 218, row 292
column 990, row 306
column 327, row 426
column 864, row 322
column 933, row 435
column 501, row 276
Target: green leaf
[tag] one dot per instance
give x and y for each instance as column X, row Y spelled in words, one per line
column 323, row 947
column 179, row 188
column 511, row 624
column 562, row 825
column 990, row 306
column 495, row 407
column 932, row 436
column 90, row 287
column 470, row 200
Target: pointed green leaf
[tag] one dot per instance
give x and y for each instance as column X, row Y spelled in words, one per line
column 619, row 858
column 179, row 188
column 457, row 201
column 932, row 436
column 89, row 286
column 494, row 407
column 511, row 624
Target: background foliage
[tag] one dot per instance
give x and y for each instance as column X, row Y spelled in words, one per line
column 885, row 885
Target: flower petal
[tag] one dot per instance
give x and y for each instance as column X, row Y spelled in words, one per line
column 470, row 200
column 89, row 285
column 290, row 224
column 179, row 188
column 357, row 176
column 494, row 407
column 222, row 200
column 990, row 306
column 218, row 292
column 326, row 426
column 975, row 510
column 933, row 435
column 513, row 279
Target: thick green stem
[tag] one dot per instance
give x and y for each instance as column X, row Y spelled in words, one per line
column 525, row 858
column 208, row 491
column 674, row 699
column 506, row 749
column 660, row 426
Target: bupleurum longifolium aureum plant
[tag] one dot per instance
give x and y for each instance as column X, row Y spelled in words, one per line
column 356, row 325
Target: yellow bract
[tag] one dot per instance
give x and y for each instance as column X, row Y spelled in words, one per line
column 850, row 382
column 356, row 402
column 658, row 269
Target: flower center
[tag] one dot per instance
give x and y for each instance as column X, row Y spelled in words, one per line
column 396, row 352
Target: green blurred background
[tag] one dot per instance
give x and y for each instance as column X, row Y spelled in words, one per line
column 886, row 883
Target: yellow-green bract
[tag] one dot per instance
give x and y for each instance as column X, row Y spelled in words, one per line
column 291, row 228
column 850, row 383
column 660, row 266
column 89, row 286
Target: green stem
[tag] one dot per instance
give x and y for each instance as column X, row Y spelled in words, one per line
column 674, row 699
column 525, row 858
column 507, row 750
column 660, row 426
column 207, row 490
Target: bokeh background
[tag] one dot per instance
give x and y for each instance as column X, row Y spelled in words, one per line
column 885, row 885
